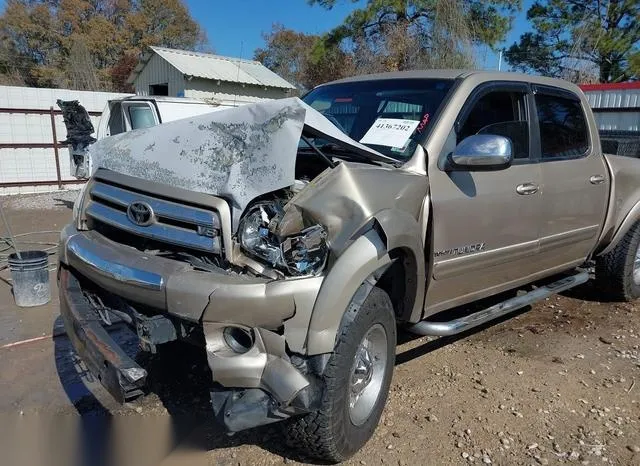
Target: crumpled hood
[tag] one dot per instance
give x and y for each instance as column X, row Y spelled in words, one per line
column 239, row 153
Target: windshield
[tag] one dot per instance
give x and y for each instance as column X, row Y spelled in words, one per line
column 388, row 115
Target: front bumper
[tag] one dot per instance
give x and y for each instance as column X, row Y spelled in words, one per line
column 123, row 378
column 256, row 387
column 174, row 287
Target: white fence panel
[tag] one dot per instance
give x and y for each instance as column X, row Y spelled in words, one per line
column 32, row 165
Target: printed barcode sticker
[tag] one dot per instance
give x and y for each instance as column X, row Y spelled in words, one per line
column 390, row 132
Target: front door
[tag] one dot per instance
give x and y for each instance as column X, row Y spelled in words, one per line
column 485, row 223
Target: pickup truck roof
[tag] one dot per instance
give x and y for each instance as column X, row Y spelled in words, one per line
column 461, row 74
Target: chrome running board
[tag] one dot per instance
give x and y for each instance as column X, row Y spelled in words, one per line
column 462, row 324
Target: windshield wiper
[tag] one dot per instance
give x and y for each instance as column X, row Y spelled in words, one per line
column 315, row 149
column 338, row 150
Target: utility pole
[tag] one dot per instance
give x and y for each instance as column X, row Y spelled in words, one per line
column 500, row 61
column 235, row 96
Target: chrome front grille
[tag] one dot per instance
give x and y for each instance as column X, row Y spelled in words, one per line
column 171, row 223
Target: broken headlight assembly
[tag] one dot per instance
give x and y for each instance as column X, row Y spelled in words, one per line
column 301, row 253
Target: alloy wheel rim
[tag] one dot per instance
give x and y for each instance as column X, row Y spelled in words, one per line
column 636, row 267
column 367, row 374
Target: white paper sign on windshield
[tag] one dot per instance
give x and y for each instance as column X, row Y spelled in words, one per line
column 390, row 132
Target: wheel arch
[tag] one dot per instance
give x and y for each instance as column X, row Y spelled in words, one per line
column 624, row 201
column 404, row 239
column 631, row 219
column 387, row 253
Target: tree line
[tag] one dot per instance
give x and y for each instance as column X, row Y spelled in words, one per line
column 88, row 44
column 578, row 40
column 94, row 44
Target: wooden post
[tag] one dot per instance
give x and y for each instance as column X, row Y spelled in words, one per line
column 55, row 146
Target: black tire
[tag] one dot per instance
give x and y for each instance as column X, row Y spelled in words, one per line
column 328, row 434
column 614, row 270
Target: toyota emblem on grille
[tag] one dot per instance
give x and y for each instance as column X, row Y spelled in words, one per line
column 140, row 213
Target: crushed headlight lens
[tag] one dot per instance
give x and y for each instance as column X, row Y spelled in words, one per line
column 300, row 253
column 306, row 252
column 256, row 237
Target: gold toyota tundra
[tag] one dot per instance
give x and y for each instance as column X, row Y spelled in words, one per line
column 290, row 238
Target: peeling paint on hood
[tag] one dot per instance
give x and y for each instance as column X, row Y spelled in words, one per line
column 239, row 153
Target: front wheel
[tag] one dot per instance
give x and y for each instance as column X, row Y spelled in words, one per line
column 357, row 380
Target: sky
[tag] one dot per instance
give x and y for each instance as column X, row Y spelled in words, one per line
column 235, row 27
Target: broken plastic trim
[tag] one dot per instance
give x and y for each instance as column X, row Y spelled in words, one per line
column 239, row 410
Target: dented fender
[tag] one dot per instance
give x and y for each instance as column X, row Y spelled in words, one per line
column 369, row 212
column 358, row 269
column 360, row 260
column 403, row 233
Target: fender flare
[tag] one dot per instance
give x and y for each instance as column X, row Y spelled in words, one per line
column 361, row 259
column 358, row 268
column 404, row 233
column 630, row 219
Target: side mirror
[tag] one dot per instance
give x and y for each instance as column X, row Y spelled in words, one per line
column 481, row 152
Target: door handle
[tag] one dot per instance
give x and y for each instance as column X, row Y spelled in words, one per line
column 527, row 188
column 596, row 179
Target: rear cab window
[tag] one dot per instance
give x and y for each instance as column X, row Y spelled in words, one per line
column 140, row 115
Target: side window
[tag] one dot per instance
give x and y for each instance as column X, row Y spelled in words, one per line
column 501, row 113
column 141, row 116
column 116, row 121
column 563, row 129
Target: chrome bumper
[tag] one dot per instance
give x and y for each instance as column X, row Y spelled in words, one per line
column 82, row 249
column 119, row 269
column 173, row 286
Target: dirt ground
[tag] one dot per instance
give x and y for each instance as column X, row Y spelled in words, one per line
column 559, row 383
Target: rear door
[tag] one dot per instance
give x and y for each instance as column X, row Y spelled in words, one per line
column 575, row 180
column 485, row 223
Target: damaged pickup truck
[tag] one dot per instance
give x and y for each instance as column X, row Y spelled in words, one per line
column 290, row 238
